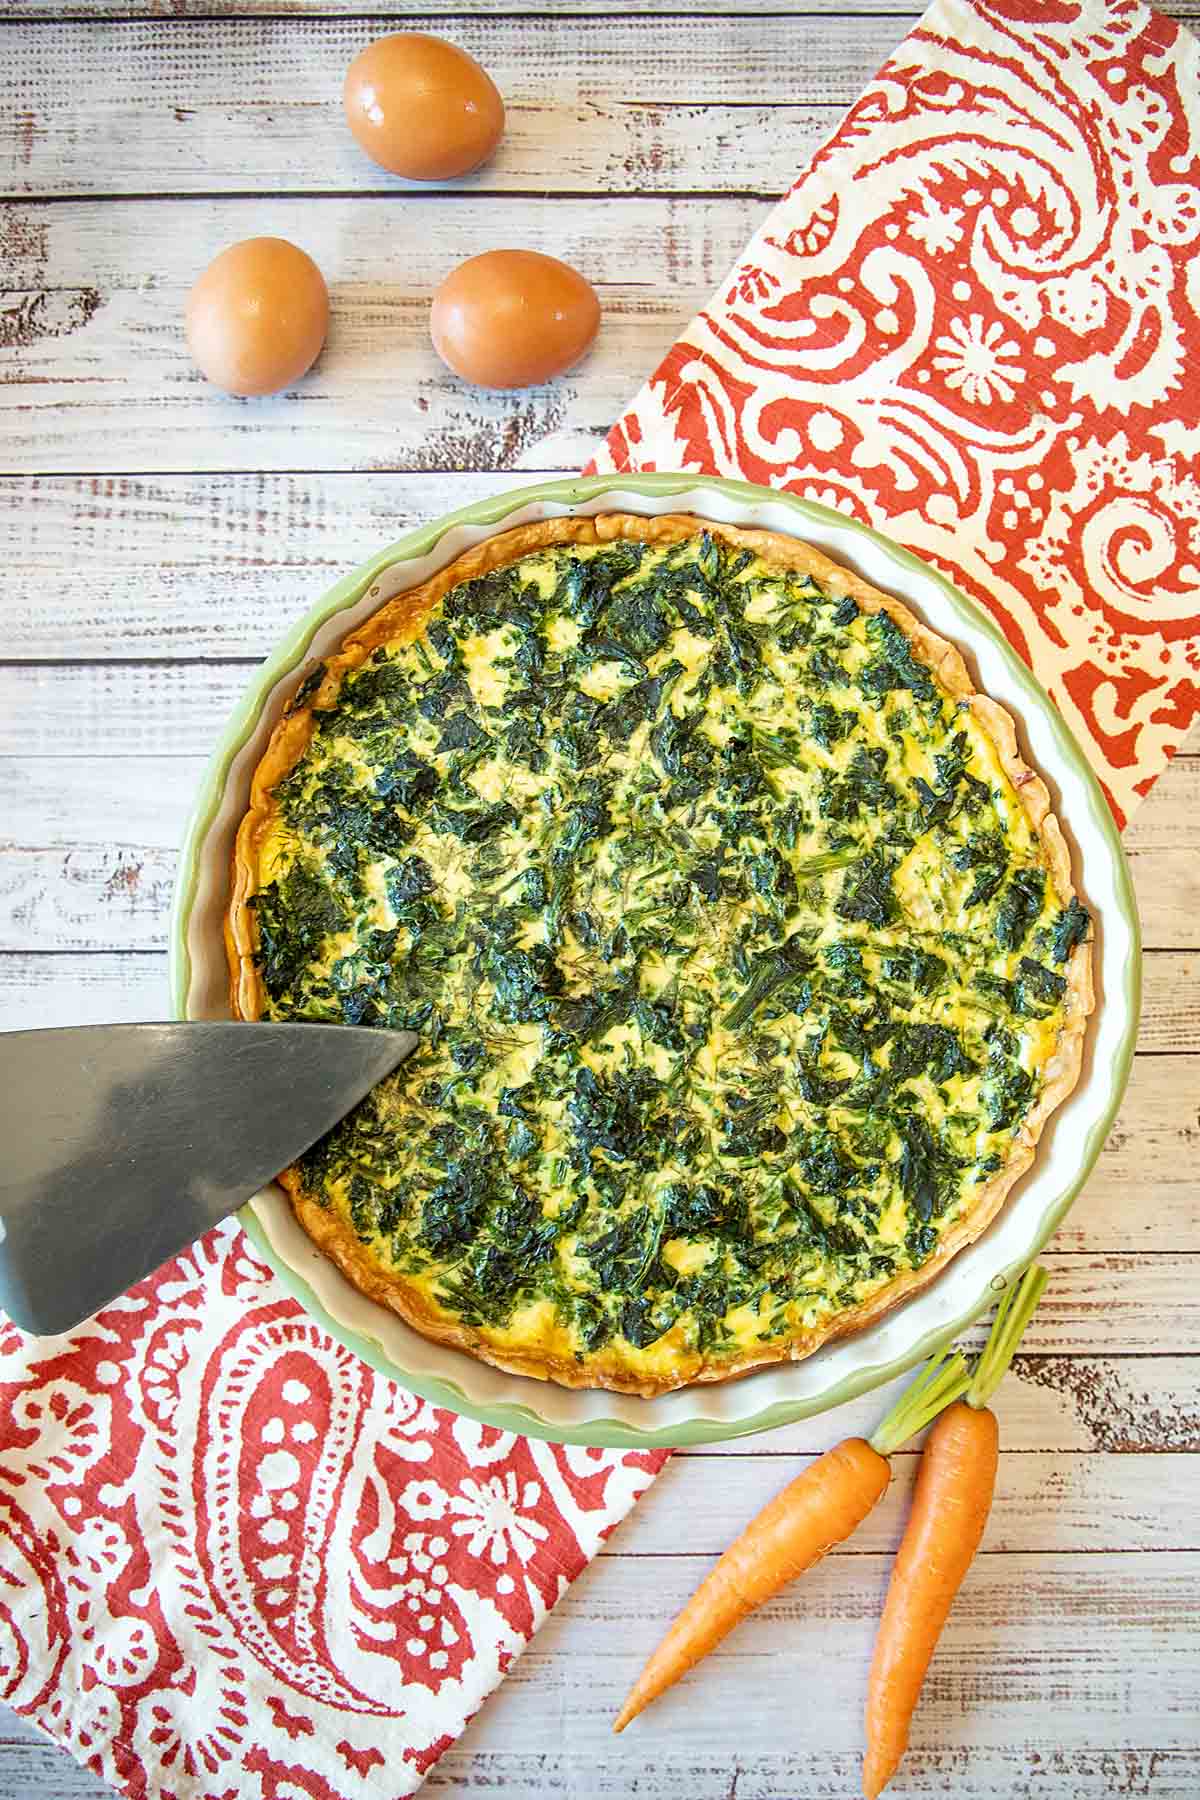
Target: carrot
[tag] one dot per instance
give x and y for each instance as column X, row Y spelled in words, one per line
column 951, row 1502
column 812, row 1514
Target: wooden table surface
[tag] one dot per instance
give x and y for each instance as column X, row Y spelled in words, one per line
column 156, row 539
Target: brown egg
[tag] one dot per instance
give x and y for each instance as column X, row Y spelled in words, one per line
column 257, row 317
column 422, row 107
column 510, row 318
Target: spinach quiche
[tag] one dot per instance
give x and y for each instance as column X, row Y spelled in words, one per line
column 741, row 944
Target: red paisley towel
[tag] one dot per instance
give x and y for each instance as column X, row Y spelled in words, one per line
column 234, row 1563
column 975, row 323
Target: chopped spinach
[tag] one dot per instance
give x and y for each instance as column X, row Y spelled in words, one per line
column 1070, row 928
column 1020, row 907
column 294, row 915
column 775, row 971
column 1040, row 983
column 562, row 895
column 916, row 968
column 985, row 854
column 894, row 665
column 867, row 892
column 927, row 1168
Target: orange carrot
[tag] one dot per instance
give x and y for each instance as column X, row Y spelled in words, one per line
column 951, row 1502
column 812, row 1514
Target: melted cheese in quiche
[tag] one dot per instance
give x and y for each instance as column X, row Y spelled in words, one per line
column 734, row 956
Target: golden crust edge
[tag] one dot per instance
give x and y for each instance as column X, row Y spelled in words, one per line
column 402, row 616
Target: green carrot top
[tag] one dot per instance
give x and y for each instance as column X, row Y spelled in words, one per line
column 948, row 1377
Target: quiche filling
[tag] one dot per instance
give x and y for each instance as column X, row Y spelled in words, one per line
column 736, row 961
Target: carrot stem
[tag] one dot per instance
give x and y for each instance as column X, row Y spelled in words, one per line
column 1013, row 1314
column 941, row 1382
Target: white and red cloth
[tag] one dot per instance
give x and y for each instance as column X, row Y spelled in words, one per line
column 235, row 1564
column 974, row 323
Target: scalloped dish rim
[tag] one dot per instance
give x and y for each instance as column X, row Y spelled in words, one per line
column 785, row 1392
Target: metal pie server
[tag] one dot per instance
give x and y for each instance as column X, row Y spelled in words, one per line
column 119, row 1144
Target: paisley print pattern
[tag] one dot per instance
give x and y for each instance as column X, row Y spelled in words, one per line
column 235, row 1562
column 975, row 323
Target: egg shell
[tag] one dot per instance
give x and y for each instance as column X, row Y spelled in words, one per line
column 257, row 317
column 421, row 107
column 510, row 318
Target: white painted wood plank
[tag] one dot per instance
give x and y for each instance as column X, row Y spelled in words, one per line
column 87, row 855
column 32, row 1768
column 41, row 1772
column 112, row 803
column 111, row 709
column 100, row 566
column 84, row 989
column 1000, row 1773
column 152, row 708
column 1170, row 1001
column 1098, row 1304
column 79, row 807
column 98, row 377
column 1144, row 1193
column 432, row 11
column 89, row 897
column 54, row 972
column 1051, row 1404
column 1072, row 1406
column 214, row 564
column 1044, row 1503
column 613, row 104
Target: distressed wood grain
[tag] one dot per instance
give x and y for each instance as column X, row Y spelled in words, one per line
column 96, row 374
column 610, row 103
column 1045, row 1503
column 1069, row 1405
column 176, row 566
column 1144, row 1193
column 1170, row 1001
column 32, row 1768
column 67, row 886
column 1170, row 1007
column 151, row 707
column 996, row 1772
column 999, row 1773
column 179, row 566
column 84, row 988
column 1117, row 1304
column 779, row 11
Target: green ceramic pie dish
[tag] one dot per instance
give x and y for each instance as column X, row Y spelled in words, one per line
column 848, row 1367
